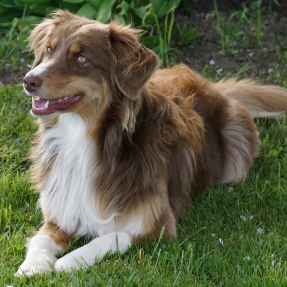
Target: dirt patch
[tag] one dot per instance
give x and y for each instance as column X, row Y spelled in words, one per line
column 12, row 74
column 227, row 6
column 206, row 51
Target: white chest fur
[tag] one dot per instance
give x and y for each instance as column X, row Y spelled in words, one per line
column 69, row 195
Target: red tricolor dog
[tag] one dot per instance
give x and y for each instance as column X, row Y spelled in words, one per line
column 119, row 138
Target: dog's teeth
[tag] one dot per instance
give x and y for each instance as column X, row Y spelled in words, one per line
column 33, row 100
column 46, row 105
column 60, row 100
column 66, row 98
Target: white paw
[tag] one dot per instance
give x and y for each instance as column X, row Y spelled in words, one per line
column 86, row 256
column 70, row 261
column 38, row 261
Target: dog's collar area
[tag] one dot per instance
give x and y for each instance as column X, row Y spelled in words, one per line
column 42, row 106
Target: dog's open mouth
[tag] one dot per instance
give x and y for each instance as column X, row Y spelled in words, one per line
column 41, row 106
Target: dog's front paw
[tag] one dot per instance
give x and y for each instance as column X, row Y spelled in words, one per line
column 68, row 262
column 38, row 261
column 86, row 256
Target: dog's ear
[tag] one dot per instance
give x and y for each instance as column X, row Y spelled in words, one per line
column 133, row 63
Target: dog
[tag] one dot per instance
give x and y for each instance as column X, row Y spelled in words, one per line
column 123, row 146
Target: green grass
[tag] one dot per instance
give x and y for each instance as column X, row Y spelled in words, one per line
column 187, row 35
column 247, row 257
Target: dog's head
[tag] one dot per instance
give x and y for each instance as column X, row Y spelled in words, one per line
column 81, row 63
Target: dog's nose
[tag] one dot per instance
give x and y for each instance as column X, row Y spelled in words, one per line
column 32, row 83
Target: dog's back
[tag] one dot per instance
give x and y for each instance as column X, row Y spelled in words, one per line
column 230, row 140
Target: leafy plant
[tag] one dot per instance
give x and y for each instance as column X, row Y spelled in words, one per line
column 94, row 9
column 187, row 36
column 257, row 5
column 243, row 69
column 14, row 40
column 209, row 73
column 281, row 47
column 187, row 7
column 17, row 17
column 160, row 43
column 101, row 10
column 279, row 74
column 229, row 35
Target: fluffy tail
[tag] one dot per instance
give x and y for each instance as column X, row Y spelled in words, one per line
column 261, row 101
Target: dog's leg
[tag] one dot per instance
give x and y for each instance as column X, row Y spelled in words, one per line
column 41, row 253
column 94, row 251
column 42, row 250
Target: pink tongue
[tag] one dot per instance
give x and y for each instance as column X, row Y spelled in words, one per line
column 40, row 105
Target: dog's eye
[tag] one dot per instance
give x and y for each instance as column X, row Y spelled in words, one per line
column 49, row 50
column 81, row 59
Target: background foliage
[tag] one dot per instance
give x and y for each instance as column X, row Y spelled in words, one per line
column 101, row 10
column 17, row 18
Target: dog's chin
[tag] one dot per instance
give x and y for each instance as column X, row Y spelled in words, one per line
column 49, row 116
column 48, row 108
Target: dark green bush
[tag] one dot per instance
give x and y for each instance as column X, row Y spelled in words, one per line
column 17, row 17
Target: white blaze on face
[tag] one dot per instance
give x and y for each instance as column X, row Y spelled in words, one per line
column 39, row 71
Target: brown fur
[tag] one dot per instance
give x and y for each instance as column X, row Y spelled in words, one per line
column 162, row 137
column 51, row 229
column 261, row 101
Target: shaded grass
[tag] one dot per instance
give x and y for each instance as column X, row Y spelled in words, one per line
column 216, row 246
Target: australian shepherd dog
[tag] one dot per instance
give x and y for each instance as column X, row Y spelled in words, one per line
column 123, row 146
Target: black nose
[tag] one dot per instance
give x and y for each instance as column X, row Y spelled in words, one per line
column 32, row 83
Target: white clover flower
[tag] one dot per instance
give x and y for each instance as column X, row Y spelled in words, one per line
column 260, row 230
column 219, row 71
column 221, row 242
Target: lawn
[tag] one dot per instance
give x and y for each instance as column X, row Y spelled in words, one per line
column 230, row 236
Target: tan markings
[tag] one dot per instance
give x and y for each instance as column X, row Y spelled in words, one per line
column 74, row 48
column 96, row 98
column 53, row 43
column 131, row 109
column 166, row 220
column 149, row 210
column 93, row 105
column 61, row 237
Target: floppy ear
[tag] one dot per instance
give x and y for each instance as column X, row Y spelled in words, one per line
column 133, row 62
